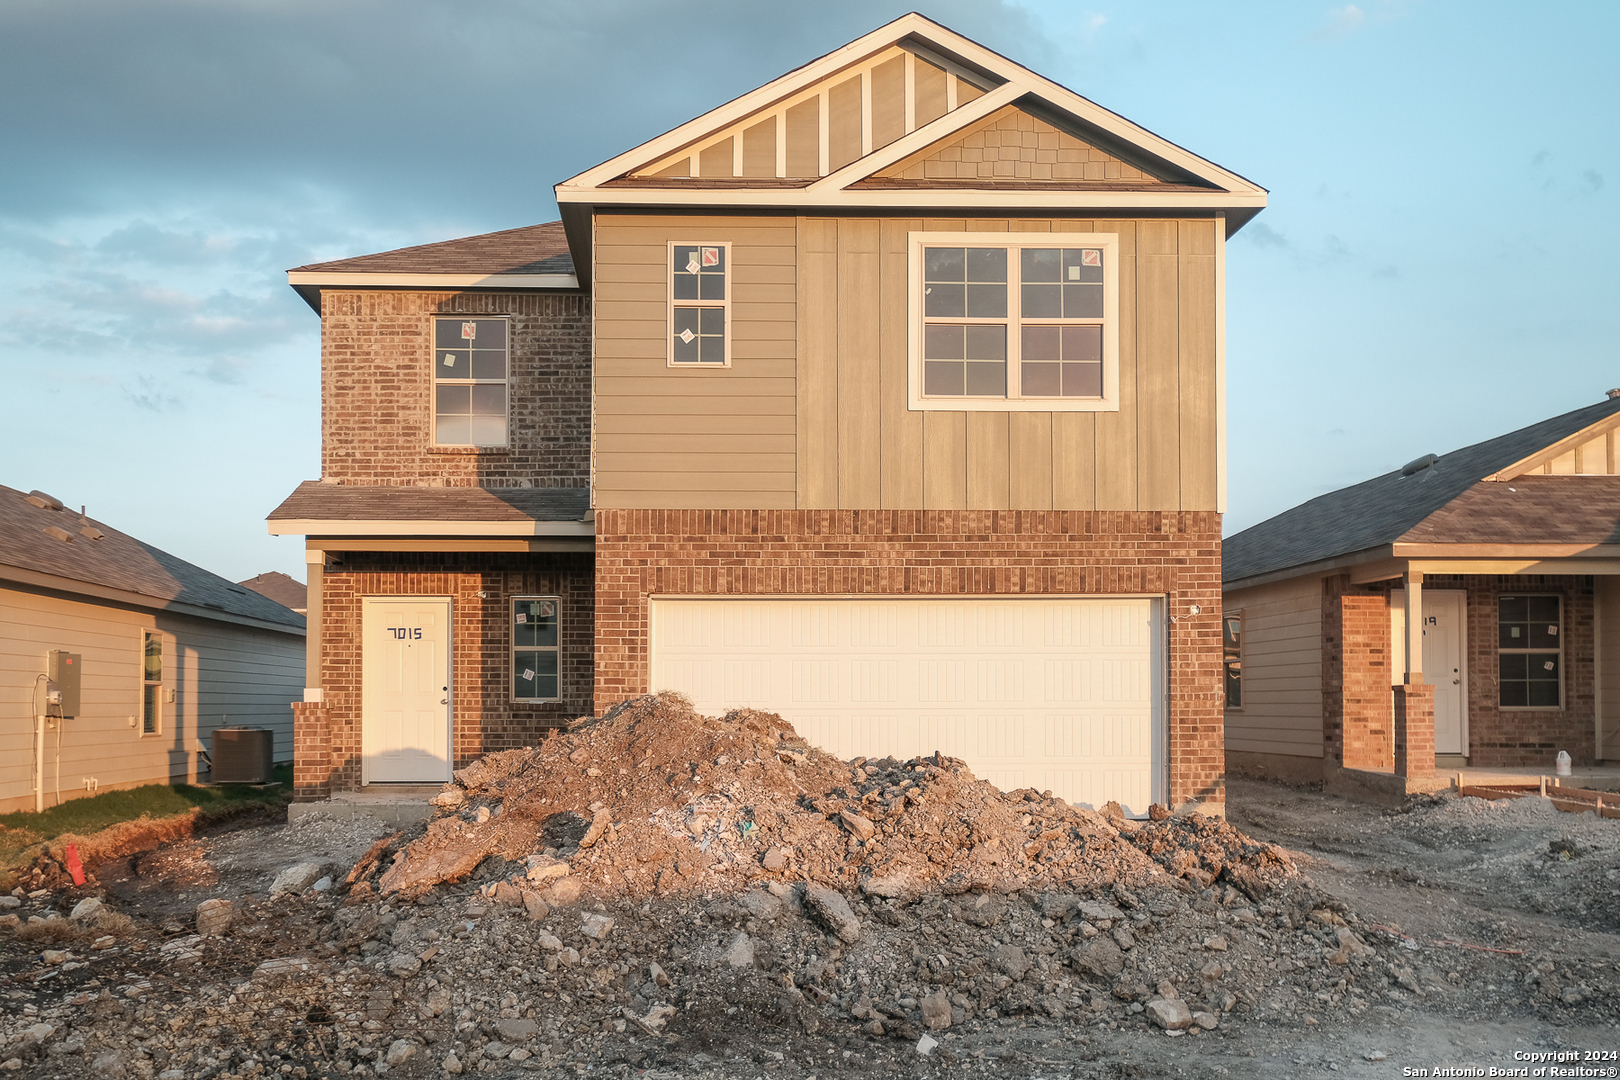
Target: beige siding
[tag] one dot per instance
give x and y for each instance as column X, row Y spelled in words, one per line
column 1608, row 667
column 710, row 437
column 1282, row 669
column 813, row 411
column 216, row 670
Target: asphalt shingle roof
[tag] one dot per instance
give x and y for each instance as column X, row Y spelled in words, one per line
column 117, row 560
column 315, row 501
column 1389, row 507
column 534, row 249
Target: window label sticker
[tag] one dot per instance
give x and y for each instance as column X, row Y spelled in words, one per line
column 1548, row 666
column 711, row 256
column 548, row 609
column 691, row 266
column 522, row 617
column 449, row 360
column 528, row 674
column 1553, row 630
column 1074, row 273
column 1090, row 257
column 687, row 336
column 469, row 330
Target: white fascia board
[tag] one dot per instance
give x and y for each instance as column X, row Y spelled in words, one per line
column 911, row 198
column 753, row 101
column 325, row 528
column 921, row 139
column 432, row 281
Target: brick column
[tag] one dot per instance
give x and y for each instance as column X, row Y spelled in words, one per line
column 1414, row 730
column 312, row 751
column 1355, row 676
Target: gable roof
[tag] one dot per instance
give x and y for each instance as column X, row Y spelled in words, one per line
column 872, row 105
column 532, row 257
column 1395, row 507
column 281, row 588
column 94, row 559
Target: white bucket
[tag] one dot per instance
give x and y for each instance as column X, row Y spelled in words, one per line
column 1562, row 768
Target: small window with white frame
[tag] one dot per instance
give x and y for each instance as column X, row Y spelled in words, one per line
column 1232, row 658
column 1014, row 322
column 1530, row 652
column 536, row 648
column 151, row 682
column 699, row 304
column 470, row 368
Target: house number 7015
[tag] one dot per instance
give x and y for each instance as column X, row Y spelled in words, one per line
column 401, row 633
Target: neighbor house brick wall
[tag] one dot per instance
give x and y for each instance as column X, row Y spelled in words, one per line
column 376, row 390
column 1515, row 737
column 643, row 553
column 485, row 717
column 1357, row 718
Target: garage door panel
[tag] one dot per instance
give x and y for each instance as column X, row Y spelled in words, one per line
column 1055, row 694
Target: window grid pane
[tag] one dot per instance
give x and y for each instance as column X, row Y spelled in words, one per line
column 470, row 366
column 536, row 640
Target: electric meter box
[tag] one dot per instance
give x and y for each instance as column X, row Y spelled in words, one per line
column 62, row 668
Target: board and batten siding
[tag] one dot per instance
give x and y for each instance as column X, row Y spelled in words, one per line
column 812, row 413
column 1282, row 669
column 216, row 670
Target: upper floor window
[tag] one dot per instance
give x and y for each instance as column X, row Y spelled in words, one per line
column 1014, row 322
column 470, row 366
column 151, row 683
column 700, row 304
column 1529, row 652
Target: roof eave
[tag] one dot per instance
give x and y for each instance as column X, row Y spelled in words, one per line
column 377, row 528
column 57, row 583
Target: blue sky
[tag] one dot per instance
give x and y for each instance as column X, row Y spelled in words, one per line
column 1433, row 268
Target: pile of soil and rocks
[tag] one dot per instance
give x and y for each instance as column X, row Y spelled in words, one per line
column 657, row 890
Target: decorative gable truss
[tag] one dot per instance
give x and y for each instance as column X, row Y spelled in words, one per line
column 897, row 115
column 1588, row 452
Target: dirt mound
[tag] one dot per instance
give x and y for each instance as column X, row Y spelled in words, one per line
column 655, row 799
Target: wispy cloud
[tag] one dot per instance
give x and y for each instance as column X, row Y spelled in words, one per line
column 1343, row 21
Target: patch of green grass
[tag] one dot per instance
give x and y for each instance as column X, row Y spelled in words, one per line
column 22, row 833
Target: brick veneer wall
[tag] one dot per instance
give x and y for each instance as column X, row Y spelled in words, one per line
column 485, row 719
column 643, row 553
column 1357, row 709
column 1513, row 737
column 376, row 390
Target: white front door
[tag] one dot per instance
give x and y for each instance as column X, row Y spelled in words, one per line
column 405, row 698
column 1443, row 612
column 1066, row 695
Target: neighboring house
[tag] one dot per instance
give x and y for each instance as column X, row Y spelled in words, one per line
column 166, row 652
column 283, row 589
column 1503, row 555
column 888, row 396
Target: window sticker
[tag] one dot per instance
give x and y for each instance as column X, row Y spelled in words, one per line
column 548, row 608
column 687, row 335
column 692, row 265
column 528, row 674
column 1090, row 257
column 1553, row 630
column 1548, row 666
column 711, row 256
column 469, row 330
column 522, row 618
column 449, row 360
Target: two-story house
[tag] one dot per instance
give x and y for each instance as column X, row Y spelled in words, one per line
column 888, row 397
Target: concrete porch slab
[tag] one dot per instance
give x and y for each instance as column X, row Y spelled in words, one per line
column 396, row 805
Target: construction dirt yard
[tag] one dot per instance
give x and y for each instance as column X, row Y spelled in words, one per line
column 660, row 894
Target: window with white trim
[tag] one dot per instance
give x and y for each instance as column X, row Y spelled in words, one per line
column 1232, row 659
column 470, row 365
column 699, row 304
column 536, row 636
column 151, row 682
column 1014, row 322
column 1530, row 652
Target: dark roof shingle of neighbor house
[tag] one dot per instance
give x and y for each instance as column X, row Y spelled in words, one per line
column 281, row 588
column 533, row 249
column 95, row 553
column 315, row 501
column 1393, row 507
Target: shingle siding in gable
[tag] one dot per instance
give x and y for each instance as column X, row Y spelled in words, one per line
column 376, row 390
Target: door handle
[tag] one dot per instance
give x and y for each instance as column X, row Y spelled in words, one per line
column 444, row 701
column 1456, row 682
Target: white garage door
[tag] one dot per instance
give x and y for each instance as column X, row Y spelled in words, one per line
column 1065, row 695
